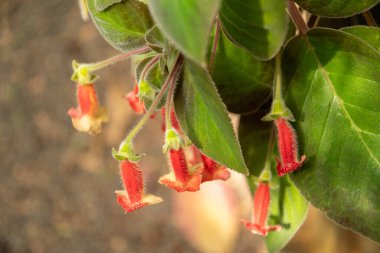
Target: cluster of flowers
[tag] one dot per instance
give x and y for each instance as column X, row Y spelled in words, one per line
column 189, row 167
column 287, row 145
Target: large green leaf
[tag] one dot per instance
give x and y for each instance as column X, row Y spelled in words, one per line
column 336, row 8
column 186, row 23
column 333, row 91
column 371, row 35
column 122, row 24
column 155, row 39
column 101, row 5
column 243, row 81
column 257, row 25
column 288, row 207
column 204, row 118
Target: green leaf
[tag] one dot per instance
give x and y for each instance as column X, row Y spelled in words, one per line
column 124, row 24
column 288, row 207
column 101, row 5
column 333, row 91
column 204, row 118
column 371, row 35
column 243, row 81
column 155, row 39
column 254, row 137
column 186, row 23
column 260, row 26
column 336, row 8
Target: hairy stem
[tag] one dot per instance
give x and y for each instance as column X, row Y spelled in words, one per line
column 278, row 77
column 214, row 45
column 296, row 17
column 149, row 66
column 270, row 150
column 169, row 102
column 99, row 65
column 151, row 109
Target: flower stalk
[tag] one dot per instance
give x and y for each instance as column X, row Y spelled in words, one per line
column 145, row 89
column 296, row 17
column 152, row 108
column 214, row 45
column 83, row 71
column 278, row 109
column 149, row 66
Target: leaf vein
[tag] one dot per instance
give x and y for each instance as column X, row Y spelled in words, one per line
column 324, row 125
column 341, row 103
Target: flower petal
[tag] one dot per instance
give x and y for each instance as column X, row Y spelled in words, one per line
column 123, row 200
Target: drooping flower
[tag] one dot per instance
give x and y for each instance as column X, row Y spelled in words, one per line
column 287, row 145
column 88, row 116
column 134, row 101
column 133, row 197
column 213, row 171
column 181, row 178
column 209, row 168
column 261, row 202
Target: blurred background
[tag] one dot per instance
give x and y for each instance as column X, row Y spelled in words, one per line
column 57, row 185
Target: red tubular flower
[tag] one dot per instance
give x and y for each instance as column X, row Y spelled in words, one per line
column 261, row 202
column 213, row 171
column 133, row 198
column 136, row 104
column 88, row 116
column 287, row 145
column 195, row 159
column 181, row 179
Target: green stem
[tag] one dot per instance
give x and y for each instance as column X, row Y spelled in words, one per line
column 168, row 122
column 214, row 45
column 266, row 174
column 99, row 65
column 149, row 66
column 169, row 102
column 151, row 109
column 270, row 150
column 296, row 17
column 277, row 78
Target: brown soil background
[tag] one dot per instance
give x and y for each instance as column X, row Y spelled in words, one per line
column 57, row 185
